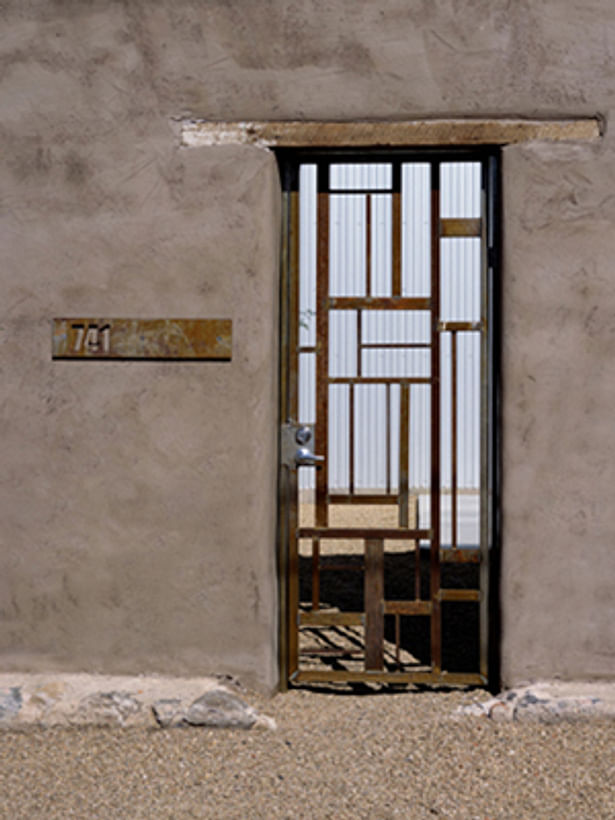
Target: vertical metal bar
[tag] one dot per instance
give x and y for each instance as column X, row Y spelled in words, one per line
column 417, row 570
column 374, row 603
column 396, row 231
column 283, row 487
column 404, row 453
column 388, row 437
column 321, row 443
column 397, row 640
column 454, row 439
column 359, row 342
column 485, row 495
column 315, row 572
column 434, row 558
column 351, row 426
column 368, row 248
column 293, row 410
column 351, row 433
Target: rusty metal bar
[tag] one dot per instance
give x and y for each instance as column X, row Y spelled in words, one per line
column 459, row 595
column 284, row 531
column 357, row 191
column 460, row 227
column 293, row 410
column 417, row 571
column 374, row 608
column 388, row 438
column 407, row 607
column 315, row 573
column 368, row 498
column 351, row 439
column 393, row 345
column 422, row 676
column 434, row 558
column 293, row 309
column 360, row 344
column 396, row 239
column 485, row 495
column 460, row 326
column 321, row 438
column 378, row 303
column 454, row 440
column 368, row 248
column 379, row 380
column 404, row 453
column 362, row 533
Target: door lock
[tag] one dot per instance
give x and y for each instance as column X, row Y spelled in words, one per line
column 294, row 456
column 304, row 457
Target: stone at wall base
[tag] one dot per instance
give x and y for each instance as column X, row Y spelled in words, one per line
column 548, row 702
column 40, row 700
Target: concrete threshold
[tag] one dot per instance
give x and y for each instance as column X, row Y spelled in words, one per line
column 78, row 700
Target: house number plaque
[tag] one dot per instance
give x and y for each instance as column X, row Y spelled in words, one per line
column 175, row 339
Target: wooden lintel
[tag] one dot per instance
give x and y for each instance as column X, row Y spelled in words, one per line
column 372, row 134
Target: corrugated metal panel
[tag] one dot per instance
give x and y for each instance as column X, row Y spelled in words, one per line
column 461, row 198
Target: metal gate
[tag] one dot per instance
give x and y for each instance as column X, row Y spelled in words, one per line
column 387, row 410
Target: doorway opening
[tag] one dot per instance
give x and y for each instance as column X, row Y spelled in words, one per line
column 388, row 440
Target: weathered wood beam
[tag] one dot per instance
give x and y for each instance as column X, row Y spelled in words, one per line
column 367, row 134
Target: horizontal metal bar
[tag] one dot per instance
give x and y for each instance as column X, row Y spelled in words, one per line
column 407, row 607
column 320, row 618
column 371, row 498
column 460, row 326
column 459, row 595
column 393, row 345
column 379, row 380
column 460, row 556
column 460, row 227
column 378, row 303
column 328, row 652
column 363, row 532
column 420, row 676
column 306, row 349
column 334, row 191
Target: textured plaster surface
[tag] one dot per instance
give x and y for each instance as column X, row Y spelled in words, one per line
column 559, row 385
column 137, row 500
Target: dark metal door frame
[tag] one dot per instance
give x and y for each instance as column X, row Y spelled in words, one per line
column 375, row 606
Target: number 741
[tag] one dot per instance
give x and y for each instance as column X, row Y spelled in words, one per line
column 91, row 338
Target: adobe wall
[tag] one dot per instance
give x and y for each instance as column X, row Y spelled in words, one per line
column 137, row 499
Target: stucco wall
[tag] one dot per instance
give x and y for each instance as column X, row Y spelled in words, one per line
column 137, row 500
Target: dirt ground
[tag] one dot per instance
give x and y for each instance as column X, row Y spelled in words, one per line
column 346, row 754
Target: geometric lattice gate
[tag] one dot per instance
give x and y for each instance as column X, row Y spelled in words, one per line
column 386, row 444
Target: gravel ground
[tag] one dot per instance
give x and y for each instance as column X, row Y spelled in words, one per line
column 341, row 755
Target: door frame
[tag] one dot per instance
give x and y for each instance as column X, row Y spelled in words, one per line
column 289, row 161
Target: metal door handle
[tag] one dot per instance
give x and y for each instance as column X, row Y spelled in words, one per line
column 304, row 457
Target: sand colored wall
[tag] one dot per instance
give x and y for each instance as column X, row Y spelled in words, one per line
column 138, row 500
